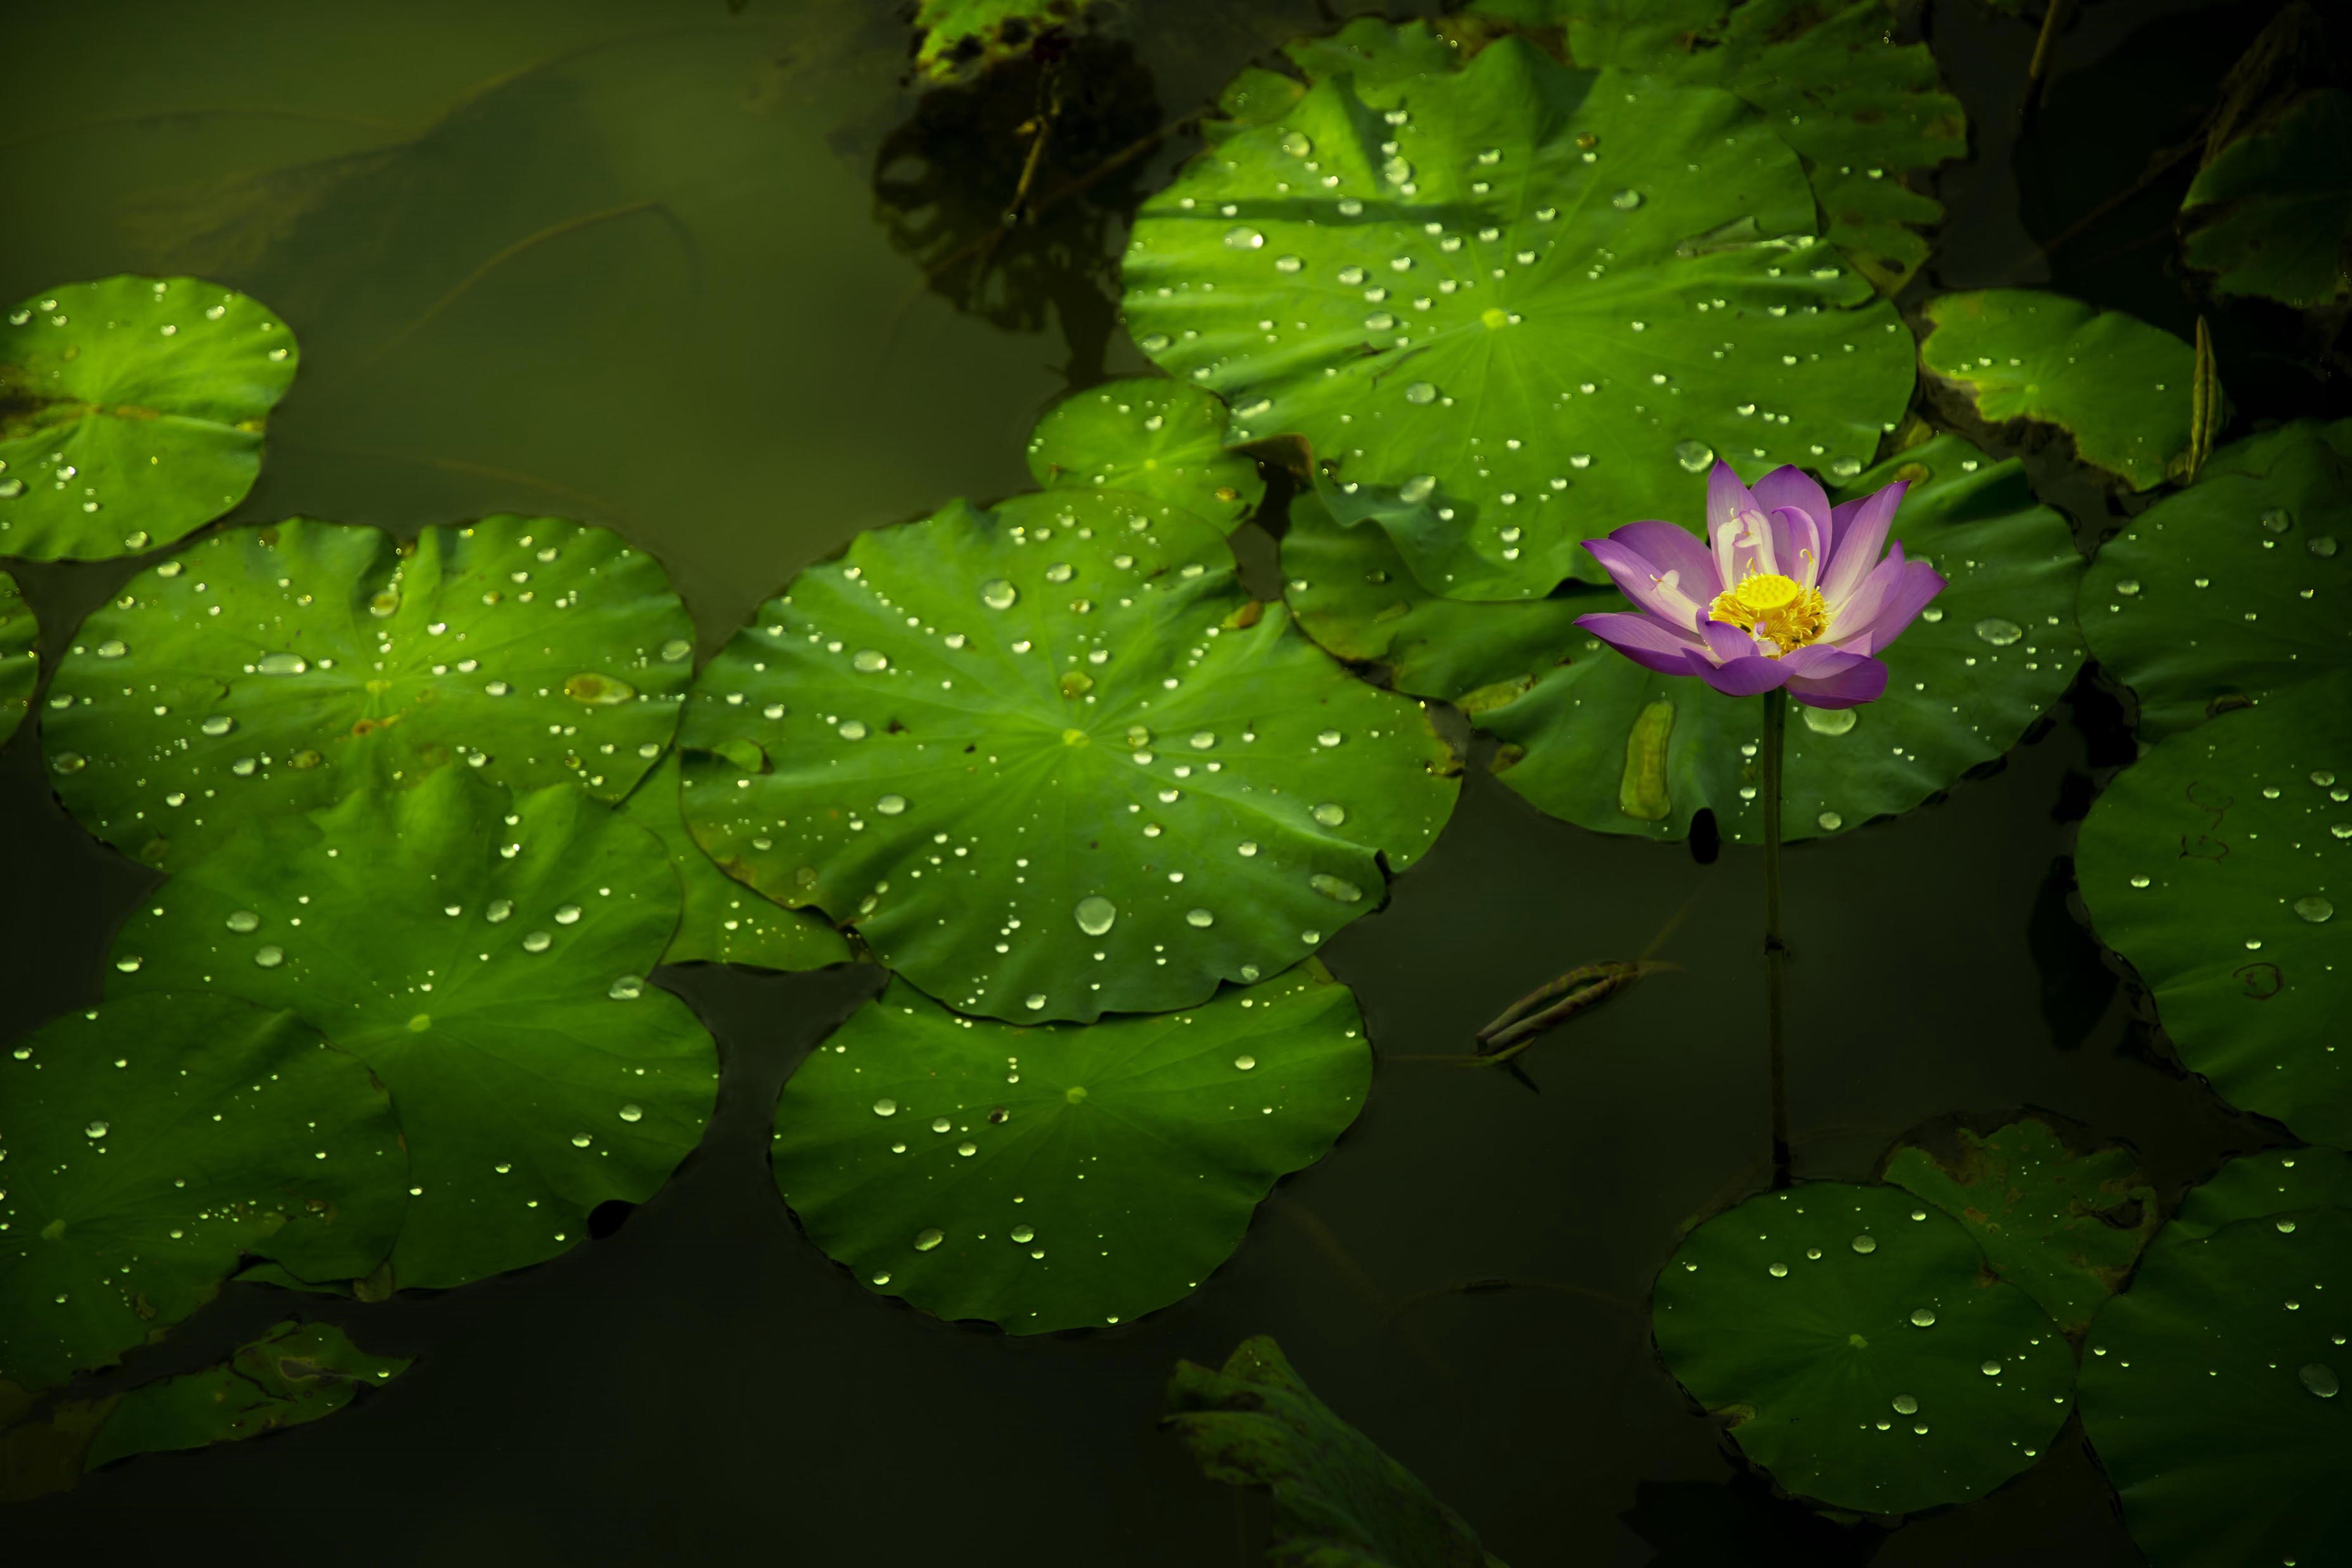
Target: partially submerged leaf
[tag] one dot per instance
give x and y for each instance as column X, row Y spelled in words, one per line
column 1340, row 1501
column 132, row 411
column 957, row 36
column 722, row 921
column 1156, row 440
column 295, row 1373
column 154, row 1143
column 2271, row 214
column 2280, row 1181
column 20, row 662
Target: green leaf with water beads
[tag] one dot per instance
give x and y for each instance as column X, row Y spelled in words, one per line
column 2272, row 214
column 1338, row 1500
column 1522, row 299
column 20, row 662
column 2062, row 1224
column 1156, row 440
column 295, row 1373
column 957, row 36
column 1066, row 1175
column 2214, row 864
column 155, row 1142
column 2210, row 1393
column 1051, row 761
column 2278, row 1181
column 270, row 671
column 131, row 411
column 1863, row 110
column 724, row 922
column 2231, row 591
column 2120, row 387
column 1600, row 734
column 1852, row 1340
column 489, row 974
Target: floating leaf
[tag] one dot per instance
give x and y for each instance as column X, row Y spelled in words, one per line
column 2232, row 591
column 1845, row 1332
column 724, row 922
column 489, row 972
column 2272, row 214
column 2210, row 1394
column 1863, row 110
column 1528, row 301
column 1002, row 744
column 1156, row 440
column 957, row 34
column 2121, row 388
column 2264, row 1185
column 2062, row 1225
column 130, row 413
column 153, row 1143
column 20, row 663
column 293, row 1373
column 1338, row 1498
column 1988, row 658
column 1063, row 1177
column 270, row 671
column 2214, row 864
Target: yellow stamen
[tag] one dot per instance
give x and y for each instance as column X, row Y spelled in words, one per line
column 1778, row 609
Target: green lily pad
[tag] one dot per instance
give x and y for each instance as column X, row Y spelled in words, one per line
column 1609, row 746
column 960, row 35
column 1062, row 1176
column 1377, row 54
column 2232, row 591
column 20, row 663
column 293, row 1373
column 2063, row 1225
column 130, row 413
column 2210, row 1394
column 1858, row 1349
column 1126, row 784
column 489, row 974
column 2254, row 1186
column 2215, row 865
column 1156, row 440
column 1863, row 110
column 1560, row 294
column 724, row 922
column 2118, row 385
column 271, row 671
column 2272, row 214
column 1338, row 1498
column 155, row 1142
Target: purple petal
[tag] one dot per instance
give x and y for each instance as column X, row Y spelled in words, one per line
column 1820, row 659
column 1726, row 642
column 1727, row 497
column 1744, row 677
column 1797, row 542
column 1646, row 641
column 1917, row 584
column 1792, row 487
column 1860, row 535
column 1850, row 687
column 1673, row 548
column 1850, row 622
column 1639, row 579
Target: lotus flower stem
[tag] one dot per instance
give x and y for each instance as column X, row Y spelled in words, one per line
column 1776, row 952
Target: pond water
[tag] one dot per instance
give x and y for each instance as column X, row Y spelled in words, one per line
column 661, row 267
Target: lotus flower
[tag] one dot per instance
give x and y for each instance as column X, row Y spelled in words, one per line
column 1792, row 594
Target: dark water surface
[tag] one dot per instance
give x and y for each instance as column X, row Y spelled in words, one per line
column 628, row 262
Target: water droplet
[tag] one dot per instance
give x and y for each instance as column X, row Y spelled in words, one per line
column 1865, row 1242
column 217, row 723
column 1830, row 720
column 852, row 729
column 95, row 1130
column 1830, row 822
column 580, row 1139
column 967, row 1148
column 1905, row 1405
column 1923, row 1318
column 537, row 942
column 633, row 1113
column 1694, row 456
column 1296, row 144
column 1330, row 814
column 2001, row 633
column 1096, row 915
column 1990, row 1369
column 627, row 988
column 891, row 805
column 2314, row 909
column 2319, row 1377
column 1243, row 239
column 1626, row 201
column 498, row 910
column 268, row 955
column 281, row 664
column 68, row 762
column 2321, row 545
column 112, row 649
column 1778, row 1271
column 1334, row 887
column 2277, row 521
column 1035, row 1001
column 1421, row 392
column 1330, row 738
column 1246, row 1062
column 1199, row 919
column 2128, row 586
column 568, row 914
column 866, row 660
column 1417, row 488
column 930, row 1236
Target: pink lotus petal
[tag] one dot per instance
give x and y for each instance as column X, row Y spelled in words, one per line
column 1727, row 497
column 1726, row 642
column 1794, row 488
column 1819, row 660
column 1917, row 584
column 1641, row 580
column 1744, row 677
column 1797, row 539
column 1860, row 538
column 1648, row 642
column 1673, row 548
column 1850, row 687
column 1853, row 616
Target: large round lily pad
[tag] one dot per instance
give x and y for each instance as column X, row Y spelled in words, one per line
column 1530, row 300
column 1609, row 746
column 2217, row 864
column 2233, row 590
column 2271, row 212
column 484, row 956
column 1850, row 1335
column 1062, row 1176
column 2120, row 387
column 151, row 1144
column 131, row 411
column 1158, row 440
column 2279, row 1181
column 20, row 663
column 1051, row 761
column 2211, row 1395
column 274, row 670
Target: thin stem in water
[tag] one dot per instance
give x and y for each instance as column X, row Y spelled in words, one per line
column 1776, row 952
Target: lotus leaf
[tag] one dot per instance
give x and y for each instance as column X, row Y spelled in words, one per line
column 155, row 1142
column 2214, row 864
column 20, row 661
column 1051, row 761
column 1612, row 747
column 1158, row 440
column 1525, row 299
column 270, row 671
column 293, row 1373
column 1845, row 1332
column 2272, row 214
column 956, row 33
column 724, row 922
column 1066, row 1175
column 489, row 974
column 2255, row 1186
column 2210, row 1394
column 131, row 411
column 2118, row 386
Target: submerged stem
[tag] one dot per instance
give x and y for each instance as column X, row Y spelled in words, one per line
column 1776, row 952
